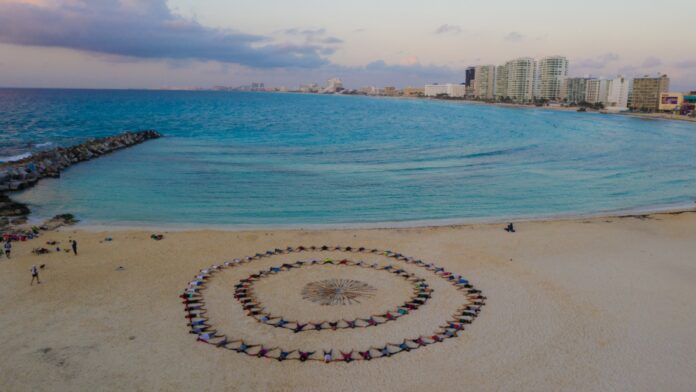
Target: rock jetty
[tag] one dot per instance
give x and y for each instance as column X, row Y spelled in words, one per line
column 27, row 172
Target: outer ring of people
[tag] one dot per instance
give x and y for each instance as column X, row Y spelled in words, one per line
column 198, row 322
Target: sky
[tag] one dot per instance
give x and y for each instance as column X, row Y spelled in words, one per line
column 187, row 43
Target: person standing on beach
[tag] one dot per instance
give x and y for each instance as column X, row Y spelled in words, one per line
column 74, row 247
column 34, row 275
column 8, row 248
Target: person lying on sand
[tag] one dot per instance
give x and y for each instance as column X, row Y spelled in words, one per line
column 347, row 357
column 263, row 351
column 305, row 355
column 283, row 355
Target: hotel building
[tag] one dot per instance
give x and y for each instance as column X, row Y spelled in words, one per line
column 449, row 89
column 646, row 92
column 501, row 81
column 484, row 82
column 617, row 93
column 520, row 79
column 575, row 89
column 596, row 90
column 550, row 75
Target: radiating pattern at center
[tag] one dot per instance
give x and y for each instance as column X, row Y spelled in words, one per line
column 337, row 291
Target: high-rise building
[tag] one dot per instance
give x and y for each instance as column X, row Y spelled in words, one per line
column 333, row 85
column 596, row 90
column 550, row 75
column 575, row 89
column 450, row 90
column 520, row 79
column 484, row 84
column 646, row 92
column 501, row 82
column 470, row 76
column 617, row 93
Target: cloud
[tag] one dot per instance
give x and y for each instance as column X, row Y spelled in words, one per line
column 598, row 62
column 651, row 62
column 313, row 36
column 448, row 29
column 148, row 29
column 514, row 37
column 686, row 64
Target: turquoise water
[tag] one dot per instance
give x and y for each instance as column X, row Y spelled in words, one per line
column 256, row 159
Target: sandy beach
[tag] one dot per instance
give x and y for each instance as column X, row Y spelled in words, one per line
column 590, row 304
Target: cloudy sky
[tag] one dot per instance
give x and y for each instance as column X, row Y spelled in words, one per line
column 158, row 43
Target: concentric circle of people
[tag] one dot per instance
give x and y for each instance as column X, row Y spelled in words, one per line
column 200, row 325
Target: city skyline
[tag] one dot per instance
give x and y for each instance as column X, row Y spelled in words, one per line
column 154, row 43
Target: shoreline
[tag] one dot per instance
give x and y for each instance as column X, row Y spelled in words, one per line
column 425, row 224
column 573, row 109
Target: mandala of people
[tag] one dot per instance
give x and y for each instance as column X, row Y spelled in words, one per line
column 329, row 304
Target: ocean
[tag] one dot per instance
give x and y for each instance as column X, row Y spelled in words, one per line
column 292, row 160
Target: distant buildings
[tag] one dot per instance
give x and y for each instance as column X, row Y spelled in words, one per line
column 413, row 92
column 670, row 102
column 449, row 89
column 550, row 75
column 528, row 81
column 369, row 90
column 596, row 91
column 520, row 79
column 617, row 93
column 501, row 81
column 575, row 90
column 309, row 88
column 390, row 91
column 333, row 85
column 469, row 76
column 689, row 104
column 484, row 82
column 647, row 92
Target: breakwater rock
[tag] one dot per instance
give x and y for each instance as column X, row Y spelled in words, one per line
column 27, row 172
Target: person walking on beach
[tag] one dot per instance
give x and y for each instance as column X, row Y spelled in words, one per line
column 34, row 275
column 8, row 248
column 74, row 247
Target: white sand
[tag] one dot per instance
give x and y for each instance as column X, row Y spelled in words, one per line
column 593, row 305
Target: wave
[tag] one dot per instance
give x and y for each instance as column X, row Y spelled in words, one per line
column 15, row 157
column 42, row 145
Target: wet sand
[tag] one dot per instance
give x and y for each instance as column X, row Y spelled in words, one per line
column 591, row 304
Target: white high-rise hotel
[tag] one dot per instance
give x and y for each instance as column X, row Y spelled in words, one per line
column 518, row 81
column 550, row 75
column 617, row 93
